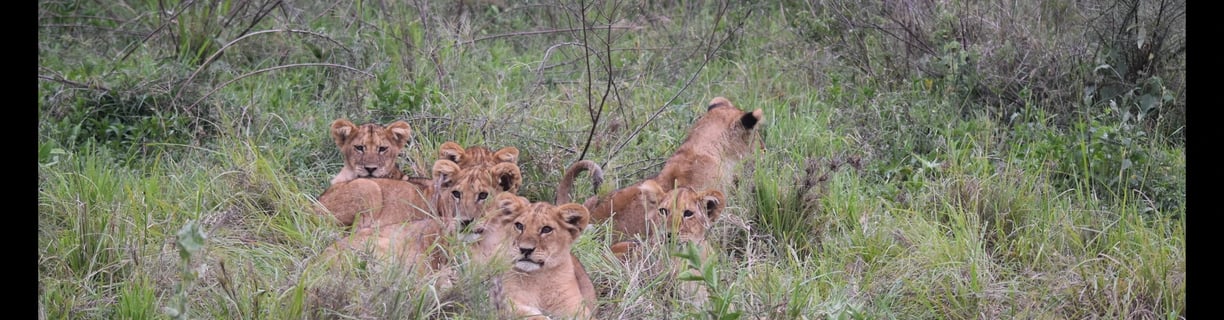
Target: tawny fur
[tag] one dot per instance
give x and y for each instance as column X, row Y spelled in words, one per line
column 684, row 215
column 474, row 155
column 401, row 219
column 715, row 144
column 532, row 287
column 567, row 180
column 369, row 150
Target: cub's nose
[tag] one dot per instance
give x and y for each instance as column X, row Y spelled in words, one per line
column 371, row 170
column 463, row 224
column 526, row 251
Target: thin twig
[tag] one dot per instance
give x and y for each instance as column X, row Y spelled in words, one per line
column 259, row 16
column 214, row 90
column 545, row 141
column 71, row 26
column 547, row 54
column 537, row 32
column 61, row 79
column 232, row 42
column 591, row 109
column 603, row 101
column 131, row 49
column 709, row 55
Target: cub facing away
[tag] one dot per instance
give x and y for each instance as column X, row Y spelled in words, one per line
column 715, row 144
column 546, row 279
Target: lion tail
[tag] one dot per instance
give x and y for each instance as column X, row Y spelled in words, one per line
column 567, row 181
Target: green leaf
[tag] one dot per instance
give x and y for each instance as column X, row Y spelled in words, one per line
column 1148, row 103
column 691, row 275
column 731, row 316
column 190, row 239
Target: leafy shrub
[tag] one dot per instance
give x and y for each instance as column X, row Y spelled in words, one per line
column 129, row 122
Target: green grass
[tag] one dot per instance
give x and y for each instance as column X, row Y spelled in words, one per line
column 889, row 188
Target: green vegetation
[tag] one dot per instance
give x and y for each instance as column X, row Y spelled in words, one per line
column 923, row 160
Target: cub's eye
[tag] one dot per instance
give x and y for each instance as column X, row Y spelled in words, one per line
column 482, row 196
column 382, row 149
column 518, row 226
column 456, row 194
column 359, row 148
column 663, row 211
column 688, row 213
column 545, row 229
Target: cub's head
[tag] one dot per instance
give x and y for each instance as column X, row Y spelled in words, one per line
column 686, row 214
column 464, row 192
column 370, row 150
column 735, row 130
column 476, row 155
column 544, row 233
column 491, row 234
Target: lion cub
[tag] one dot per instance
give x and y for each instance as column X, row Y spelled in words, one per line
column 482, row 173
column 476, row 155
column 546, row 279
column 681, row 219
column 399, row 217
column 370, row 178
column 715, row 144
column 683, row 216
column 369, row 150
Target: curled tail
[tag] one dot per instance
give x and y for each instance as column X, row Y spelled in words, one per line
column 567, row 181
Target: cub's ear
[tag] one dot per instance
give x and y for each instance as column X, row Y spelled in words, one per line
column 750, row 119
column 718, row 102
column 508, row 203
column 444, row 172
column 507, row 154
column 401, row 131
column 651, row 192
column 451, row 151
column 341, row 129
column 508, row 176
column 575, row 217
column 713, row 202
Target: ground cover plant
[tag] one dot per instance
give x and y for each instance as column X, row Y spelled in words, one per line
column 921, row 160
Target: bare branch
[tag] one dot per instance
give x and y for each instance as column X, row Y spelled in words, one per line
column 538, row 32
column 132, row 47
column 60, row 79
column 232, row 42
column 708, row 56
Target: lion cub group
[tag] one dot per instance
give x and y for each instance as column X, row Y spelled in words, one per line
column 473, row 194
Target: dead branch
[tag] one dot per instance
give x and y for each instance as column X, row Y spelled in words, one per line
column 227, row 45
column 539, row 32
column 708, row 56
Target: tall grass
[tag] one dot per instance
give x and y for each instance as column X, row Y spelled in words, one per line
column 922, row 160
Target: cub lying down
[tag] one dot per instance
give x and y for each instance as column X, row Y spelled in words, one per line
column 546, row 280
